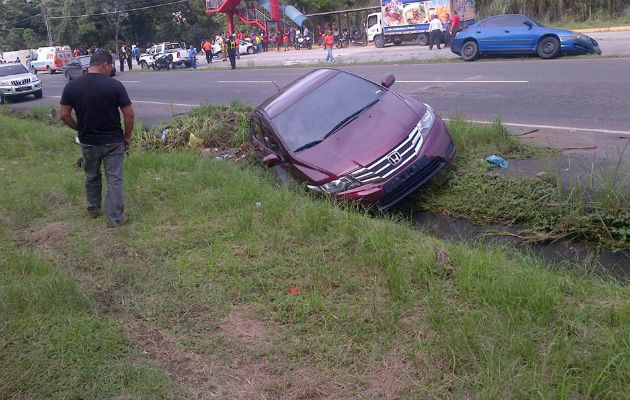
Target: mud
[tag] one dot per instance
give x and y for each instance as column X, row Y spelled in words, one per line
column 579, row 256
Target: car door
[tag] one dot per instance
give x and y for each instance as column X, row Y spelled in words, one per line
column 73, row 68
column 488, row 34
column 519, row 34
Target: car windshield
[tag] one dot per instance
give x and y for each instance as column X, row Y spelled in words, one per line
column 326, row 108
column 13, row 70
column 537, row 22
column 85, row 60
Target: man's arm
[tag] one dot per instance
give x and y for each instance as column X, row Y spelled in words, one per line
column 129, row 117
column 65, row 113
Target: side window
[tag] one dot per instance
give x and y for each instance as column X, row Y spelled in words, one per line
column 516, row 20
column 269, row 138
column 255, row 129
column 491, row 22
column 372, row 20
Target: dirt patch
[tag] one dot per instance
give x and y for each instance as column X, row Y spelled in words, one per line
column 392, row 377
column 245, row 325
column 51, row 236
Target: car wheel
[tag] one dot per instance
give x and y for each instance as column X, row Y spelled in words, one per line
column 309, row 46
column 50, row 71
column 85, row 71
column 379, row 41
column 2, row 99
column 548, row 47
column 38, row 94
column 397, row 41
column 470, row 50
column 423, row 39
column 144, row 65
column 250, row 50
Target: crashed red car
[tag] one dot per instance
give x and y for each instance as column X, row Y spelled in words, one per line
column 350, row 138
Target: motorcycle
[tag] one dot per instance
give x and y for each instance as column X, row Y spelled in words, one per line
column 303, row 41
column 358, row 38
column 162, row 61
column 342, row 40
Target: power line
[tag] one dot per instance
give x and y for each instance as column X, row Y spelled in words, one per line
column 116, row 11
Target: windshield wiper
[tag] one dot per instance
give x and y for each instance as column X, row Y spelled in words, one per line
column 349, row 119
column 337, row 127
column 308, row 145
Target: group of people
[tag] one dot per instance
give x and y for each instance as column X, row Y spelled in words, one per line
column 439, row 32
column 126, row 55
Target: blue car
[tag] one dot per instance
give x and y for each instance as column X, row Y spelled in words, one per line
column 518, row 34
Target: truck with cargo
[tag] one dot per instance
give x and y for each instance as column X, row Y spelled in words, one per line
column 408, row 20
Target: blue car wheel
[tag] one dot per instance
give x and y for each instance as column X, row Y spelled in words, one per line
column 470, row 50
column 548, row 47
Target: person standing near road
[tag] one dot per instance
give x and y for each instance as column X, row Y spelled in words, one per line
column 122, row 55
column 136, row 53
column 96, row 100
column 435, row 31
column 455, row 22
column 239, row 39
column 207, row 48
column 192, row 55
column 265, row 41
column 329, row 40
column 231, row 49
column 129, row 56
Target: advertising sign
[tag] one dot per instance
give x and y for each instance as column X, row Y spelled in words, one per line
column 409, row 16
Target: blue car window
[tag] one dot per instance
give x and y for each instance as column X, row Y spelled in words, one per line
column 515, row 20
column 491, row 22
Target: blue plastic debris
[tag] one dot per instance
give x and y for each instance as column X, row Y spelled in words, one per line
column 498, row 161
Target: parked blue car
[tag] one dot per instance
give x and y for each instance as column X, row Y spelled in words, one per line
column 518, row 34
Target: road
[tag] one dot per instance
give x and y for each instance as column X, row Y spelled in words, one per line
column 582, row 93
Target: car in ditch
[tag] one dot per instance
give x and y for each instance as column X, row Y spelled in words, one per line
column 345, row 136
column 16, row 81
column 78, row 66
column 518, row 34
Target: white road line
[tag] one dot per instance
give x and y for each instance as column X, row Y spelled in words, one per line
column 129, row 81
column 563, row 128
column 462, row 81
column 152, row 102
column 244, row 81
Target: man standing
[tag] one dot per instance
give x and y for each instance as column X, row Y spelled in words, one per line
column 192, row 55
column 231, row 49
column 129, row 56
column 435, row 32
column 207, row 48
column 96, row 98
column 122, row 55
column 329, row 40
column 455, row 21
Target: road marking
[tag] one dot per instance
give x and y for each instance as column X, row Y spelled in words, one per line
column 563, row 128
column 462, row 81
column 244, row 81
column 153, row 102
column 129, row 81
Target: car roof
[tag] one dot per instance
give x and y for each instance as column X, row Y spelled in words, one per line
column 297, row 89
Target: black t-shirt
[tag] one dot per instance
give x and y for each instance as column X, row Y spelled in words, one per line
column 96, row 99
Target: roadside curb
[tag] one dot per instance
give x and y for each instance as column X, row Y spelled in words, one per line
column 610, row 29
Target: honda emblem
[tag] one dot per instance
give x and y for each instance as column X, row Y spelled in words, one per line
column 394, row 158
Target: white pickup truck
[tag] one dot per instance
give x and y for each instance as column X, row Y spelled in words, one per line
column 177, row 50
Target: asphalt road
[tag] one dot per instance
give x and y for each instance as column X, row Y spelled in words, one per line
column 582, row 93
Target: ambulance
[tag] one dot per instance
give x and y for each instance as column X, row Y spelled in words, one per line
column 51, row 59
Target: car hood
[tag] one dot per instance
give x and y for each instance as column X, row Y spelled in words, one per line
column 17, row 77
column 561, row 32
column 377, row 131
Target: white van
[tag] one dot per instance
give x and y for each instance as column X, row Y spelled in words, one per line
column 51, row 59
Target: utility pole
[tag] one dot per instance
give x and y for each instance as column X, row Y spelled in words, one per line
column 48, row 34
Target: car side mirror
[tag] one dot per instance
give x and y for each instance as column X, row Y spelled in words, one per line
column 272, row 160
column 388, row 80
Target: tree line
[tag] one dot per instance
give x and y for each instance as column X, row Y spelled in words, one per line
column 84, row 23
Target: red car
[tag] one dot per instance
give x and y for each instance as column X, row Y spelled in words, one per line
column 350, row 138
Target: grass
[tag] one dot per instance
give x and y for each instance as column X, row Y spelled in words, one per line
column 193, row 296
column 597, row 210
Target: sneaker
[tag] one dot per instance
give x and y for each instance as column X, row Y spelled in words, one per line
column 125, row 219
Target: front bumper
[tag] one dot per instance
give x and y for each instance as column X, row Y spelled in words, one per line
column 21, row 90
column 437, row 151
column 576, row 45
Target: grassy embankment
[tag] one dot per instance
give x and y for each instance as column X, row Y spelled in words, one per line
column 194, row 295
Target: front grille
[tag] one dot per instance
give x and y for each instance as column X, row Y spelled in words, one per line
column 391, row 162
column 21, row 81
column 409, row 180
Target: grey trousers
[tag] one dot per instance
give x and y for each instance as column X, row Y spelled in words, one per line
column 112, row 156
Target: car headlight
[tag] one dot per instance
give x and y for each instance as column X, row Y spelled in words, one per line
column 338, row 185
column 34, row 78
column 426, row 123
column 5, row 83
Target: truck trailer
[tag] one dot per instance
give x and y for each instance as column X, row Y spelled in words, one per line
column 408, row 20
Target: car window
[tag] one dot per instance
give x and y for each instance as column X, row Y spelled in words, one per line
column 13, row 69
column 255, row 129
column 492, row 22
column 515, row 20
column 314, row 115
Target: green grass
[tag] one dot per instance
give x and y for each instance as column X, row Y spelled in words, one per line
column 597, row 211
column 385, row 311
